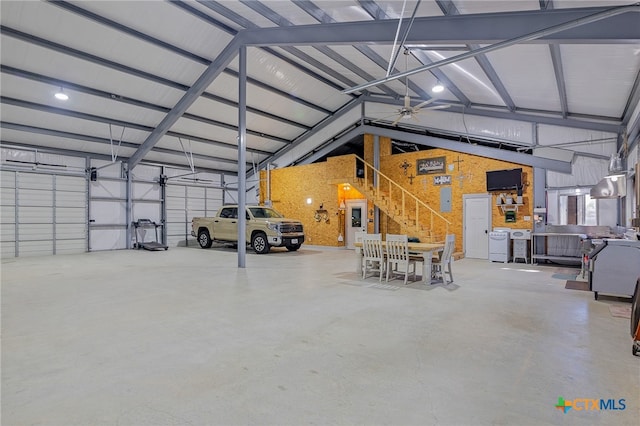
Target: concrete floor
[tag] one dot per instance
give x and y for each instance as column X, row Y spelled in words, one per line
column 185, row 338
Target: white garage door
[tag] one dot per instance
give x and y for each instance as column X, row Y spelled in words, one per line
column 184, row 202
column 43, row 214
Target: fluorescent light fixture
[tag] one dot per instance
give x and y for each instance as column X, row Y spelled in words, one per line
column 437, row 88
column 60, row 95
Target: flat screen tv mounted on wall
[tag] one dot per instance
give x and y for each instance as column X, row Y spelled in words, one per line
column 500, row 180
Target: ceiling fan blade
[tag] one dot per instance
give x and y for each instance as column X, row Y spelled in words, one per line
column 397, row 120
column 438, row 107
column 422, row 104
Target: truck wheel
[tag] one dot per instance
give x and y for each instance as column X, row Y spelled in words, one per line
column 204, row 239
column 293, row 247
column 259, row 243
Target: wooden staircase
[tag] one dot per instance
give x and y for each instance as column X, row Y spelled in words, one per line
column 414, row 216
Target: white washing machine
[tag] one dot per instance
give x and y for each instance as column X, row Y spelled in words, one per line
column 499, row 245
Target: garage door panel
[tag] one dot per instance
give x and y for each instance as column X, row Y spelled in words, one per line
column 7, row 249
column 70, row 199
column 175, row 191
column 213, row 206
column 35, row 181
column 176, row 216
column 35, row 248
column 7, row 179
column 70, row 231
column 194, row 213
column 35, row 232
column 70, row 183
column 35, row 215
column 71, row 246
column 8, row 214
column 77, row 215
column 34, row 197
column 195, row 192
column 7, row 232
column 196, row 204
column 175, row 203
column 8, row 196
column 178, row 228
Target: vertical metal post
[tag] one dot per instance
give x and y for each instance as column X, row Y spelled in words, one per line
column 17, row 216
column 242, row 165
column 129, row 207
column 87, row 167
column 163, row 204
column 54, row 177
column 376, row 165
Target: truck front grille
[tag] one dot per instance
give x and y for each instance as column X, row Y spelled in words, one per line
column 286, row 228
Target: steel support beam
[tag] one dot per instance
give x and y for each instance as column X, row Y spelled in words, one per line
column 242, row 168
column 471, row 28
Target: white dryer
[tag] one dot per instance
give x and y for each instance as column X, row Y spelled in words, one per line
column 499, row 245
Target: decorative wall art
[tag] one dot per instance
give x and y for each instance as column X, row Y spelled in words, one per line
column 428, row 166
column 442, row 180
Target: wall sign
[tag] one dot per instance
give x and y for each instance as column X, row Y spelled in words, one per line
column 427, row 166
column 442, row 180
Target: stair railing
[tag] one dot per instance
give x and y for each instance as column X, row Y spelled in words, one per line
column 374, row 178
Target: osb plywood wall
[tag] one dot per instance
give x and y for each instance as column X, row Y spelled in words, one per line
column 467, row 177
column 323, row 183
column 291, row 186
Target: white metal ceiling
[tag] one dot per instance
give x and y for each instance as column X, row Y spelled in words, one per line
column 130, row 63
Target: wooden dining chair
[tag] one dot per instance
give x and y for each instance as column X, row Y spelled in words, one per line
column 373, row 260
column 398, row 258
column 442, row 266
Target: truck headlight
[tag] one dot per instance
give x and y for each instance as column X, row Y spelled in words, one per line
column 272, row 226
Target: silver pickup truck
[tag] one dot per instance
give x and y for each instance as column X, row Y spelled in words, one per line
column 265, row 228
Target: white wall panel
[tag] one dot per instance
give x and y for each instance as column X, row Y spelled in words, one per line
column 146, row 211
column 107, row 239
column 109, row 212
column 146, row 191
column 108, row 189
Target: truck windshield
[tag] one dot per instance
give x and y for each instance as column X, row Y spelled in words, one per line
column 264, row 212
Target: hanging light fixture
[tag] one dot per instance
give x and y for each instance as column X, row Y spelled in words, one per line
column 60, row 95
column 437, row 88
column 615, row 167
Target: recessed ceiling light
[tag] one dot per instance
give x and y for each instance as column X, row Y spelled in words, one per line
column 60, row 95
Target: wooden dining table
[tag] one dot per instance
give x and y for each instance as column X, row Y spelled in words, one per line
column 425, row 249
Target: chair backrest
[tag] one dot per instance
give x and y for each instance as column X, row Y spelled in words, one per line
column 449, row 246
column 397, row 247
column 359, row 235
column 372, row 246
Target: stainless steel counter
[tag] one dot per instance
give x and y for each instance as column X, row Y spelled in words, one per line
column 614, row 267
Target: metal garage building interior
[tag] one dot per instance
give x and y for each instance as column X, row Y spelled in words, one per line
column 173, row 107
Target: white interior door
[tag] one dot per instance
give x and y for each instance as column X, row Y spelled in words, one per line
column 355, row 220
column 477, row 224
